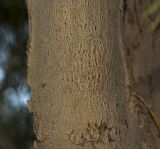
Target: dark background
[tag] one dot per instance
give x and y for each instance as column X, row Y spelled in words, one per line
column 15, row 119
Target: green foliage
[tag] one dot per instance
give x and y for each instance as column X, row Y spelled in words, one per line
column 151, row 10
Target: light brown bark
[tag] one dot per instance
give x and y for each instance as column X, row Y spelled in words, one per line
column 76, row 72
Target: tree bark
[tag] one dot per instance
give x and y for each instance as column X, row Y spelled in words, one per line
column 76, row 72
column 141, row 45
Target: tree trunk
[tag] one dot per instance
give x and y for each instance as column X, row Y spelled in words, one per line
column 76, row 72
column 142, row 48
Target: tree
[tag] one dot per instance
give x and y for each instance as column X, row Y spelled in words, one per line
column 77, row 74
column 141, row 45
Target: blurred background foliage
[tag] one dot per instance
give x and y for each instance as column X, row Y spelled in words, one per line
column 153, row 9
column 15, row 119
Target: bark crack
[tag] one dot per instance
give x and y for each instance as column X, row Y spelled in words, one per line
column 95, row 134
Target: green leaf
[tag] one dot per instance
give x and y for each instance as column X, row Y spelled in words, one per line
column 152, row 9
column 155, row 23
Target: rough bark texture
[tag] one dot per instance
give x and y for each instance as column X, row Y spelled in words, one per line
column 142, row 48
column 76, row 72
